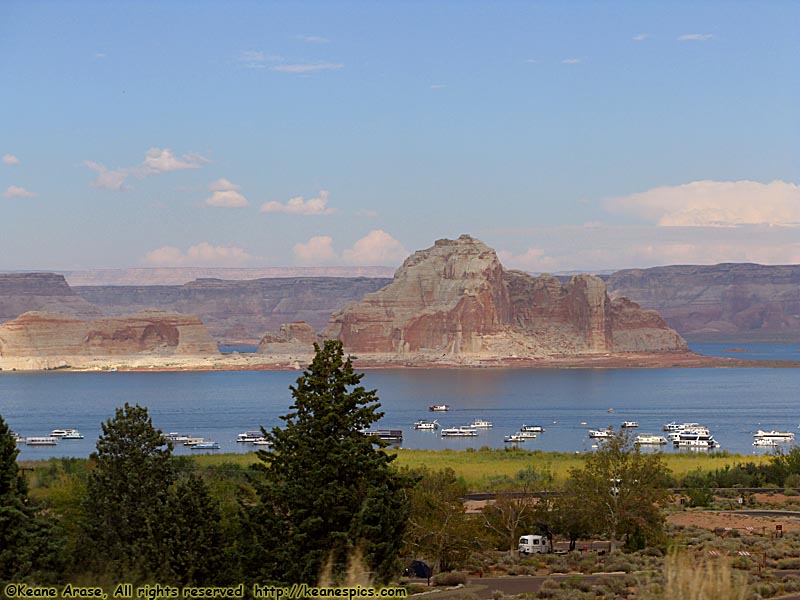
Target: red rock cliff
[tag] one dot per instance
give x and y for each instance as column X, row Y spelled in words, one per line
column 456, row 299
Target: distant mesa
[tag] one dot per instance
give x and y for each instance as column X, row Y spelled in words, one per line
column 23, row 292
column 730, row 302
column 45, row 340
column 293, row 338
column 456, row 300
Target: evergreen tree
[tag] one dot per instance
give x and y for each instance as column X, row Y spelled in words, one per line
column 326, row 488
column 127, row 493
column 15, row 516
column 195, row 534
column 28, row 545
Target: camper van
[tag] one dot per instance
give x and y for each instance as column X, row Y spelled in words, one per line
column 534, row 544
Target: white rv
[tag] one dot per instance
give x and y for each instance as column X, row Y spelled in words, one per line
column 534, row 544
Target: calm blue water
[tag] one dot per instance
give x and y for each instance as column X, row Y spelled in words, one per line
column 218, row 405
column 790, row 352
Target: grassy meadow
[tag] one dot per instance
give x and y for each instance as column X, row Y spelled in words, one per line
column 483, row 469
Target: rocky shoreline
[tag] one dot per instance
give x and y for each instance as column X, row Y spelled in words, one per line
column 256, row 362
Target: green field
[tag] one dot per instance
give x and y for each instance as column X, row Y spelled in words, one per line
column 480, row 469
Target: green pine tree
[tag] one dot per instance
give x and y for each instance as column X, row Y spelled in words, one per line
column 29, row 545
column 195, row 534
column 326, row 489
column 15, row 516
column 127, row 492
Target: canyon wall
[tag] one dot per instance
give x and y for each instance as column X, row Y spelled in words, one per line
column 240, row 311
column 456, row 299
column 44, row 340
column 726, row 301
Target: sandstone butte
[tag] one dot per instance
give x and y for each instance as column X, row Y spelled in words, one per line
column 454, row 303
column 43, row 340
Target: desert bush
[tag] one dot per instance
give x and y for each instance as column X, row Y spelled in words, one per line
column 619, row 564
column 451, row 578
column 789, row 563
column 689, row 579
column 792, row 481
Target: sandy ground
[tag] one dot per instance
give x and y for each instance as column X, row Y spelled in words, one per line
column 722, row 520
column 236, row 362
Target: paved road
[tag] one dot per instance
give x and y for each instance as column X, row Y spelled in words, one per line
column 483, row 587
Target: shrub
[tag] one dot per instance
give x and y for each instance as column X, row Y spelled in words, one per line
column 451, row 578
column 789, row 563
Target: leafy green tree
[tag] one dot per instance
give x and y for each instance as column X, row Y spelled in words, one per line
column 784, row 464
column 619, row 490
column 439, row 529
column 127, row 493
column 513, row 513
column 326, row 489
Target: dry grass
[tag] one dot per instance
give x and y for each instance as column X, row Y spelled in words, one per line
column 708, row 579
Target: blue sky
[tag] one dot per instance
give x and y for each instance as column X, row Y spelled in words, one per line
column 566, row 135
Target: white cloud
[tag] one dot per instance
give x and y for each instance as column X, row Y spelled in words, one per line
column 695, row 37
column 367, row 213
column 14, row 191
column 307, row 67
column 10, row 159
column 533, row 61
column 255, row 59
column 201, row 255
column 318, row 250
column 714, row 204
column 639, row 37
column 312, row 39
column 571, row 61
column 376, row 248
column 156, row 161
column 109, row 180
column 162, row 160
column 300, row 206
column 225, row 194
column 533, row 259
column 598, row 247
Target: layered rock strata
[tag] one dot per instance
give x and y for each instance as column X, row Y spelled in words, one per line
column 47, row 340
column 293, row 338
column 240, row 311
column 23, row 292
column 455, row 299
column 725, row 301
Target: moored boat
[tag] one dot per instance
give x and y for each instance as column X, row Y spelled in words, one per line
column 41, row 441
column 249, row 437
column 649, row 439
column 190, row 441
column 426, row 425
column 778, row 437
column 514, row 438
column 72, row 434
column 438, row 407
column 600, row 433
column 629, row 424
column 463, row 431
column 481, row 424
column 387, row 435
column 532, row 428
column 205, row 446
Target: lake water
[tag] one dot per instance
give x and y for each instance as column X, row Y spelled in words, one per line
column 734, row 403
